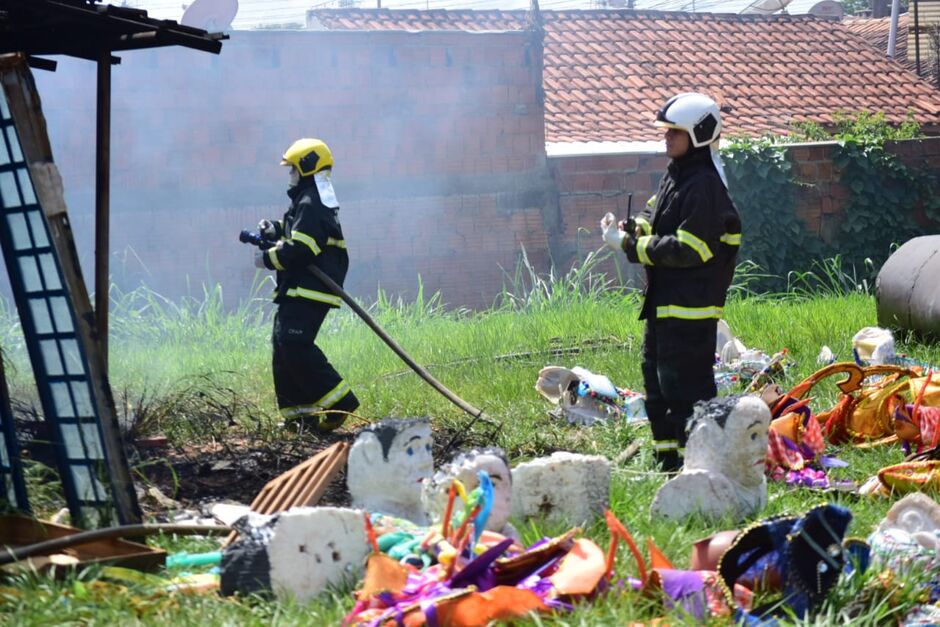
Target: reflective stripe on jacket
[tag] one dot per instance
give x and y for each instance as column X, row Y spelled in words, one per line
column 690, row 242
column 310, row 233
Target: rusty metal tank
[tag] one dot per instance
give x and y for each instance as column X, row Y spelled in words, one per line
column 907, row 290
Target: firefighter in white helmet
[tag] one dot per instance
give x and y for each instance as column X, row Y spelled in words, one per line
column 309, row 390
column 687, row 241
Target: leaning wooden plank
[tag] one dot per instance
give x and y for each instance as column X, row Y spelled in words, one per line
column 302, row 485
column 322, row 477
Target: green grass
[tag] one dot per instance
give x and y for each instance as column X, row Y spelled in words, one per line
column 167, row 357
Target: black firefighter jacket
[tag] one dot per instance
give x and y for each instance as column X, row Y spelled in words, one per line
column 309, row 233
column 690, row 242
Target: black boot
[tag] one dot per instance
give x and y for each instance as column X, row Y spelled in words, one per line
column 336, row 415
column 668, row 461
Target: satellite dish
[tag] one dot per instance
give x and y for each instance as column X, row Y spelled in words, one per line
column 766, row 7
column 214, row 16
column 827, row 8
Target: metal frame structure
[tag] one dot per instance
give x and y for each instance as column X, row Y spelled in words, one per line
column 47, row 317
column 66, row 339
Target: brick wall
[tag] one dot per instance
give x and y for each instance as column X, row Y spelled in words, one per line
column 590, row 185
column 822, row 199
column 438, row 140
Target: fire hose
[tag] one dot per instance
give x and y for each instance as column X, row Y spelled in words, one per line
column 249, row 237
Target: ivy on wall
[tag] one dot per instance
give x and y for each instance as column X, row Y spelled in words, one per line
column 885, row 197
column 761, row 185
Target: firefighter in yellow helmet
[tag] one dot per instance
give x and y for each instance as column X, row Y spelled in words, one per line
column 309, row 390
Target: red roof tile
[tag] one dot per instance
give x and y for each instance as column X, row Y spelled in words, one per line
column 622, row 64
column 875, row 30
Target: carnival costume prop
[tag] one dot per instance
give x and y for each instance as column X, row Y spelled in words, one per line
column 453, row 575
column 805, row 553
column 586, row 399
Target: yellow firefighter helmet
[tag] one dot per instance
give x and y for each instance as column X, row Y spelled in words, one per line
column 309, row 156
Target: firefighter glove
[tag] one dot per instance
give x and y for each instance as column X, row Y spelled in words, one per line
column 613, row 236
column 268, row 230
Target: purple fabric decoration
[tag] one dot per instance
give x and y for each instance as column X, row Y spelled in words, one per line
column 686, row 589
column 430, row 613
column 793, row 446
column 808, row 477
column 828, row 461
column 478, row 571
column 542, row 587
column 507, row 581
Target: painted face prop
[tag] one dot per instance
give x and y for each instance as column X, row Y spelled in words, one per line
column 300, row 553
column 314, row 548
column 387, row 465
column 724, row 462
column 466, row 467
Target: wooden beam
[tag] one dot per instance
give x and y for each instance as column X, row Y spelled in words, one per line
column 103, row 202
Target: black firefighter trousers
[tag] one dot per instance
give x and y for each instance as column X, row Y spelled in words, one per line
column 678, row 371
column 304, row 381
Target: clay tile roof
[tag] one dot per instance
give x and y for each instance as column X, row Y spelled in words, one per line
column 415, row 19
column 606, row 72
column 875, row 31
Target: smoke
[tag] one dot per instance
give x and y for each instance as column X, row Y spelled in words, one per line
column 440, row 167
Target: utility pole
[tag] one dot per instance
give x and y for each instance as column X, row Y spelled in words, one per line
column 893, row 33
column 916, row 39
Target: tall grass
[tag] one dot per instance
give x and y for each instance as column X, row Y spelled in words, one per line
column 528, row 291
column 825, row 277
column 173, row 350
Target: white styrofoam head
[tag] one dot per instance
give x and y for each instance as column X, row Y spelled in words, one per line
column 729, row 436
column 387, row 465
column 314, row 549
column 915, row 513
column 465, row 467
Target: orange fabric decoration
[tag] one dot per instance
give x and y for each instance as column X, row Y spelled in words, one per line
column 508, row 568
column 862, row 412
column 383, row 574
column 580, row 570
column 449, row 511
column 618, row 530
column 657, row 558
column 370, row 533
column 918, row 425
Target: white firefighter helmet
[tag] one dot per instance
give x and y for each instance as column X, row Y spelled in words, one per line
column 696, row 114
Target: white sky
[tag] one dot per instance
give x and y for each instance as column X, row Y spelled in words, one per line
column 254, row 13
